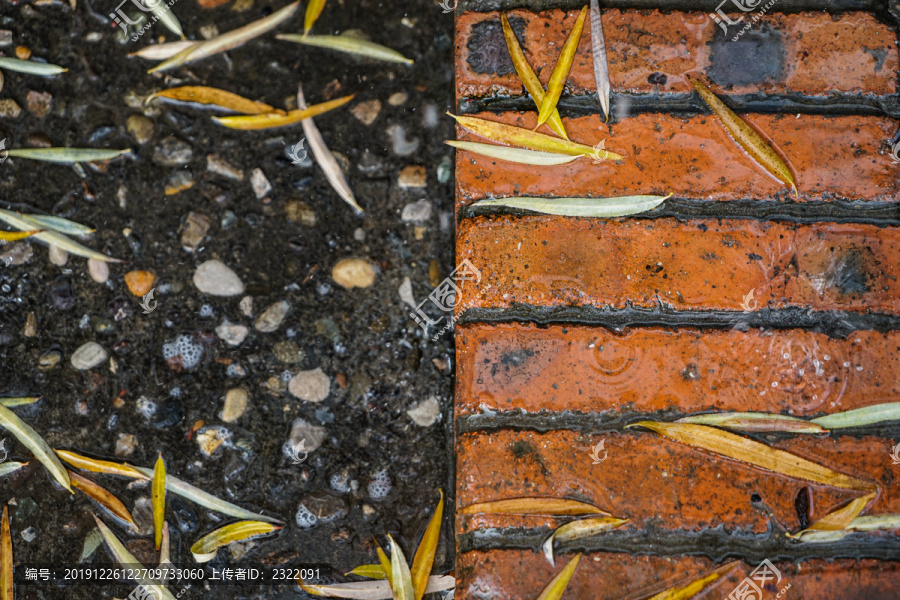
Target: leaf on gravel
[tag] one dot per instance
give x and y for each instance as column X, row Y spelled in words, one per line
column 204, row 549
column 102, row 497
column 580, row 207
column 66, row 155
column 370, row 571
column 227, row 41
column 424, row 558
column 348, row 44
column 745, row 136
column 529, row 79
column 158, row 490
column 755, row 453
column 121, row 555
column 216, row 97
column 533, row 506
column 838, row 519
column 165, row 15
column 6, row 557
column 684, row 592
column 516, row 155
column 373, row 590
column 401, row 579
column 869, row 415
column 598, row 50
column 313, row 10
column 53, row 237
column 95, row 465
column 280, row 119
column 557, row 586
column 755, row 421
column 163, row 51
column 20, row 401
column 526, row 138
column 92, row 541
column 384, row 561
column 10, row 467
column 12, row 236
column 577, row 530
column 31, row 440
column 561, row 70
column 31, row 67
column 59, row 224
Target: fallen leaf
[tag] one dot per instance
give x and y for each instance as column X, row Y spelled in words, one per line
column 10, row 467
column 533, row 506
column 6, row 558
column 204, row 549
column 838, row 519
column 580, row 207
column 163, row 51
column 348, row 44
column 313, row 10
column 373, row 590
column 754, row 421
column 401, row 579
column 270, row 120
column 121, row 555
column 31, row 440
column 12, row 236
column 66, row 155
column 92, row 541
column 158, row 488
column 580, row 529
column 102, row 497
column 31, row 67
column 53, row 237
column 424, row 558
column 385, row 562
column 598, row 51
column 684, row 592
column 868, row 415
column 59, row 224
column 20, row 401
column 370, row 571
column 95, row 465
column 165, row 15
column 216, row 97
column 557, row 586
column 561, row 70
column 516, row 155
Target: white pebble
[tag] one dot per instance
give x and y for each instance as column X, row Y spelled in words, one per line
column 271, row 318
column 216, row 279
column 426, row 413
column 232, row 334
column 98, row 269
column 58, row 256
column 236, row 401
column 259, row 183
column 406, row 293
column 88, row 356
column 312, row 386
column 416, row 212
column 353, row 272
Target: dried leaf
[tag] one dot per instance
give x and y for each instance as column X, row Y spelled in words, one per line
column 557, row 586
column 20, row 401
column 313, row 10
column 580, row 529
column 533, row 506
column 867, row 523
column 31, row 440
column 838, row 519
column 6, row 558
column 561, row 70
column 526, row 138
column 53, row 237
column 529, row 79
column 66, row 155
column 229, row 40
column 204, row 549
column 348, row 44
column 59, row 224
column 10, row 467
column 373, row 590
column 270, row 120
column 216, row 97
column 158, row 487
column 424, row 558
column 370, row 571
column 401, row 579
column 121, row 555
column 745, row 136
column 325, row 158
column 598, row 50
column 165, row 553
column 754, row 421
column 516, row 155
column 869, row 415
column 163, row 51
column 102, row 497
column 384, row 561
column 684, row 592
column 755, row 453
column 580, row 207
column 12, row 236
column 165, row 16
column 31, row 67
column 95, row 465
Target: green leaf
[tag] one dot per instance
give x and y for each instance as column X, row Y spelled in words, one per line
column 59, row 224
column 401, row 579
column 53, row 237
column 869, row 415
column 66, row 155
column 31, row 440
column 10, row 467
column 580, row 207
column 31, row 67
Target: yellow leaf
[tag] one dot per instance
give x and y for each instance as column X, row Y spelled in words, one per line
column 370, row 571
column 269, row 120
column 424, row 558
column 100, row 466
column 534, row 506
column 401, row 579
column 204, row 549
column 103, row 497
column 313, row 10
column 684, row 592
column 528, row 78
column 208, row 95
column 558, row 584
column 11, row 236
column 755, row 453
column 561, row 70
column 385, row 563
column 840, row 518
column 526, row 138
column 158, row 488
column 754, row 421
column 745, row 136
column 6, row 558
column 580, row 529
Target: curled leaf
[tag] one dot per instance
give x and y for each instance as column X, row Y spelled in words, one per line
column 533, row 506
column 31, row 440
column 689, row 590
column 561, row 70
column 557, row 586
column 10, row 466
column 66, row 155
column 868, row 415
column 31, row 67
column 754, row 421
column 373, row 590
column 121, row 555
column 313, row 10
column 838, row 519
column 580, row 529
column 598, row 50
column 348, row 44
column 215, row 97
column 424, row 558
column 370, row 571
column 401, row 579
column 6, row 557
column 270, row 120
column 102, row 497
column 516, row 155
column 53, row 238
column 204, row 549
column 580, row 207
column 95, row 465
column 158, row 487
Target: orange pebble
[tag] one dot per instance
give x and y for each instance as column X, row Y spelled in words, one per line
column 139, row 282
column 22, row 52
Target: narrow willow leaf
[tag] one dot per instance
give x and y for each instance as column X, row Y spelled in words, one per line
column 370, row 571
column 580, row 207
column 325, row 158
column 529, row 79
column 59, row 224
column 313, row 10
column 53, row 237
column 348, row 44
column 875, row 522
column 31, row 440
column 12, row 236
column 838, row 519
column 424, row 558
column 165, row 16
column 229, row 40
column 745, row 136
column 204, row 549
column 687, row 591
column 207, row 500
column 102, row 497
column 6, row 558
column 533, row 506
column 598, row 50
column 385, row 562
column 20, row 401
column 373, row 590
column 561, row 70
column 755, row 453
column 580, row 529
column 164, row 51
column 95, row 465
column 516, row 155
column 869, row 415
column 216, row 97
column 270, row 120
column 91, row 542
column 165, row 559
column 401, row 579
column 158, row 489
column 754, row 421
column 66, row 155
column 31, row 67
column 557, row 586
column 517, row 136
column 10, row 467
column 121, row 555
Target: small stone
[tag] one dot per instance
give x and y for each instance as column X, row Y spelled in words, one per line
column 98, row 269
column 311, row 386
column 23, row 52
column 367, row 111
column 9, row 109
column 416, row 212
column 172, row 152
column 399, row 143
column 406, row 293
column 246, row 306
column 398, row 98
column 38, row 103
column 359, row 234
column 300, row 212
column 196, row 226
column 211, row 439
column 88, row 356
column 125, row 444
column 324, row 506
column 311, row 435
column 30, row 325
column 208, row 32
column 49, row 359
column 29, row 534
column 6, row 38
column 216, row 279
column 208, row 4
column 353, row 272
column 271, row 318
column 219, row 166
column 259, row 183
column 139, row 282
column 412, row 176
column 178, row 182
column 288, row 352
column 58, row 256
column 231, row 334
column 236, row 401
column 444, row 169
column 140, row 128
column 425, row 413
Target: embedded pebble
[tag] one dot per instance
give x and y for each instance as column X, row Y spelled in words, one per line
column 232, row 334
column 311, row 386
column 406, row 293
column 288, row 352
column 236, row 401
column 300, row 212
column 88, row 356
column 196, row 226
column 49, row 359
column 58, row 256
column 139, row 283
column 140, row 128
column 9, row 109
column 172, row 152
column 271, row 318
column 416, row 212
column 353, row 272
column 412, row 176
column 246, row 306
column 400, row 145
column 145, row 407
column 182, row 353
column 398, row 98
column 30, row 329
column 98, row 269
column 425, row 413
column 320, row 507
column 29, row 534
column 179, row 182
column 38, row 103
column 367, row 111
column 219, row 166
column 210, row 439
column 259, row 183
column 379, row 486
column 216, row 279
column 311, row 435
column 16, row 253
column 125, row 444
